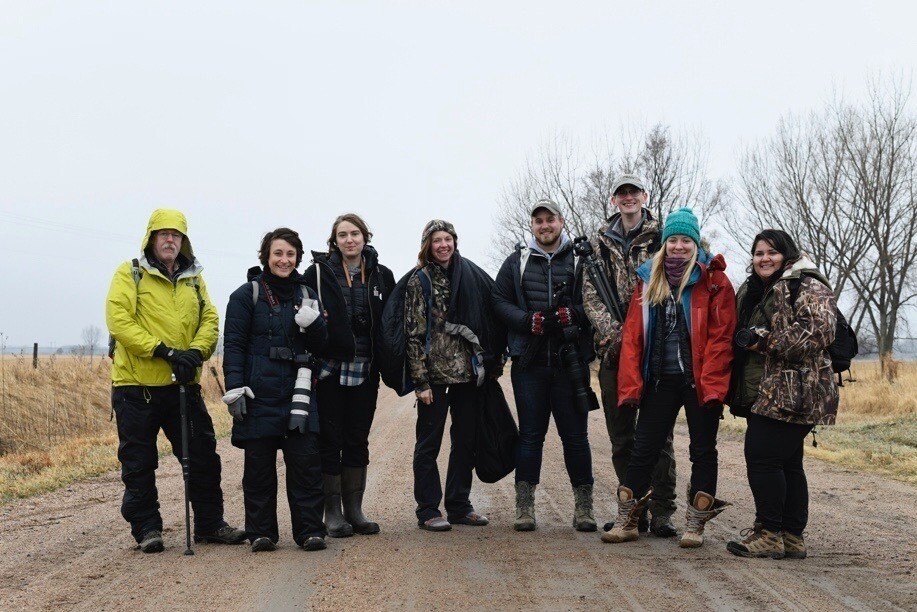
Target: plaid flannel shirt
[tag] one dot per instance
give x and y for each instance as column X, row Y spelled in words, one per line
column 352, row 373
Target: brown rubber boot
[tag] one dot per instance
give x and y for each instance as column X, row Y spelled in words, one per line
column 794, row 546
column 629, row 511
column 335, row 524
column 353, row 485
column 758, row 543
column 704, row 508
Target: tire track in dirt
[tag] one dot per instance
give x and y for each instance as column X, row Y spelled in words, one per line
column 70, row 549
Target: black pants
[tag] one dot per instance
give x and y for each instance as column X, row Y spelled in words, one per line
column 621, row 426
column 431, row 423
column 658, row 410
column 345, row 417
column 304, row 486
column 773, row 454
column 141, row 412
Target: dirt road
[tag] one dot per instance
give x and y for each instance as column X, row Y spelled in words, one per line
column 71, row 549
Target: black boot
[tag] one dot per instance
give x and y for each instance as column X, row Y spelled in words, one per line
column 335, row 524
column 353, row 484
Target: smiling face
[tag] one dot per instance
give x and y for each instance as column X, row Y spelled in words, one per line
column 442, row 246
column 766, row 260
column 167, row 245
column 281, row 259
column 679, row 246
column 546, row 227
column 349, row 239
column 629, row 199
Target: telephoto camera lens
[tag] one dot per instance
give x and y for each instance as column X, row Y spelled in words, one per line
column 746, row 337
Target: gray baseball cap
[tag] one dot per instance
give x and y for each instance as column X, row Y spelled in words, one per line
column 547, row 204
column 627, row 179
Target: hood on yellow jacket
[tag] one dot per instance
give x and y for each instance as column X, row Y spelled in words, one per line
column 168, row 218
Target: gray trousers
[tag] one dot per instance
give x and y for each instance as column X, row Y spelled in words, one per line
column 621, row 427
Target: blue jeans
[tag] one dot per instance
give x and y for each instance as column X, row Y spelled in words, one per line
column 541, row 391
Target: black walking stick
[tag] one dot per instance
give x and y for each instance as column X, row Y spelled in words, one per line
column 185, row 463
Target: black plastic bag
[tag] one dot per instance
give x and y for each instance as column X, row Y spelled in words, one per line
column 496, row 436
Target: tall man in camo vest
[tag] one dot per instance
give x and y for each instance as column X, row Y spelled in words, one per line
column 630, row 238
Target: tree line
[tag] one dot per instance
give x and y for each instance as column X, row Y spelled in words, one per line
column 840, row 179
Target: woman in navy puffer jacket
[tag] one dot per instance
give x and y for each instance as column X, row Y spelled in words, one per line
column 273, row 323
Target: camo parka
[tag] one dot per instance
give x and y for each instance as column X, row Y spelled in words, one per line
column 798, row 384
column 449, row 358
column 621, row 269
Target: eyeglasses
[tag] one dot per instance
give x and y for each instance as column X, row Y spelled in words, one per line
column 175, row 236
column 627, row 191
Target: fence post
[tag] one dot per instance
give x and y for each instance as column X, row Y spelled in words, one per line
column 35, row 356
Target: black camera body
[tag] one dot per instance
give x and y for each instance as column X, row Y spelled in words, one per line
column 582, row 247
column 748, row 336
column 285, row 353
column 360, row 325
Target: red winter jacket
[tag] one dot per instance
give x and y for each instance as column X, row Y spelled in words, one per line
column 710, row 312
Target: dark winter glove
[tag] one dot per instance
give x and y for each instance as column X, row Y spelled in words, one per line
column 537, row 323
column 298, row 420
column 714, row 405
column 566, row 316
column 185, row 365
column 165, row 352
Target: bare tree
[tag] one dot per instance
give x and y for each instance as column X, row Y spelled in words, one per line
column 842, row 181
column 674, row 166
column 91, row 337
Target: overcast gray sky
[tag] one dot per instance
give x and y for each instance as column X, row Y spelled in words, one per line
column 249, row 116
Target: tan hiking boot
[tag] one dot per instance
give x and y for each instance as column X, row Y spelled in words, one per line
column 629, row 510
column 583, row 519
column 758, row 543
column 525, row 507
column 794, row 546
column 704, row 508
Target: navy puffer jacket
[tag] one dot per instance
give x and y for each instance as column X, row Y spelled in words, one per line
column 251, row 330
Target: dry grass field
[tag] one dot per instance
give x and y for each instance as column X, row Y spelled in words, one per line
column 876, row 426
column 55, row 427
column 55, row 422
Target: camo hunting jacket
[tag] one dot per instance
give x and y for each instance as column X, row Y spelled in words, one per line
column 621, row 269
column 449, row 358
column 798, row 384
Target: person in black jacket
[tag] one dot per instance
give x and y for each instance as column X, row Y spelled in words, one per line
column 534, row 296
column 273, row 322
column 353, row 287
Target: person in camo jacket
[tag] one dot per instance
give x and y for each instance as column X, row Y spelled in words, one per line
column 783, row 383
column 451, row 347
column 630, row 238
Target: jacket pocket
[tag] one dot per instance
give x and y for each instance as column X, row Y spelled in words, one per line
column 791, row 391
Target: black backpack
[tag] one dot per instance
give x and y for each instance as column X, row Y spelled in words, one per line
column 845, row 346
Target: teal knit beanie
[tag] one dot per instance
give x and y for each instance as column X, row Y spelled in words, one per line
column 682, row 222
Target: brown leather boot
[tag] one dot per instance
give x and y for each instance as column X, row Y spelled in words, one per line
column 629, row 511
column 704, row 508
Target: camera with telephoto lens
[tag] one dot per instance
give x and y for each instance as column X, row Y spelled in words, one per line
column 584, row 398
column 748, row 336
column 285, row 353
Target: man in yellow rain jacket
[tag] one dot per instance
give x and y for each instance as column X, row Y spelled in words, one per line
column 164, row 327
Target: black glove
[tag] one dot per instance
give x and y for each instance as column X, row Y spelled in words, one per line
column 165, row 352
column 298, row 420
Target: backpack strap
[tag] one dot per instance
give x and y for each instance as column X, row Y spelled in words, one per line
column 255, row 291
column 318, row 280
column 137, row 274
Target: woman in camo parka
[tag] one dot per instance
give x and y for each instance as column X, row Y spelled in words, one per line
column 783, row 383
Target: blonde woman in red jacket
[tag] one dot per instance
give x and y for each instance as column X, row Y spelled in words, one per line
column 676, row 351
